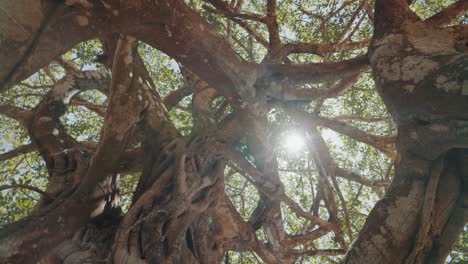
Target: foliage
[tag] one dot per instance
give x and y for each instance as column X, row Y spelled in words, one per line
column 300, row 21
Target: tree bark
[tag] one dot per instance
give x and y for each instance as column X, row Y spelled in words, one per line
column 180, row 212
column 418, row 72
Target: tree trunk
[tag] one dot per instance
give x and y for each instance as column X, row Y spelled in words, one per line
column 421, row 76
column 180, row 212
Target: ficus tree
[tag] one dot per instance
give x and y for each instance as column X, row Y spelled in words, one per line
column 233, row 131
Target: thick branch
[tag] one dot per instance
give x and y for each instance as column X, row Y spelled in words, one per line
column 273, row 30
column 189, row 39
column 391, row 15
column 304, row 94
column 46, row 130
column 307, row 238
column 17, row 151
column 89, row 200
column 21, row 115
column 318, row 72
column 444, row 17
column 52, row 30
column 71, row 26
column 173, row 98
column 120, row 119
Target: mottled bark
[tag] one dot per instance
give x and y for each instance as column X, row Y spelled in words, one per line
column 81, row 181
column 418, row 71
column 180, row 212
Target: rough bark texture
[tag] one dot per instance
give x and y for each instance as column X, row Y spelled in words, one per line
column 180, row 212
column 421, row 77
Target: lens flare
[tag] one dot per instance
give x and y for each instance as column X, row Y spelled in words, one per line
column 294, row 142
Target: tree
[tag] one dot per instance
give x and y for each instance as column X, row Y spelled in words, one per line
column 125, row 175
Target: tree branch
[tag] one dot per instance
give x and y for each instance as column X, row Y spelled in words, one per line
column 51, row 12
column 294, row 74
column 391, row 15
column 273, row 31
column 88, row 200
column 308, row 237
column 352, row 176
column 266, row 186
column 20, row 115
column 305, row 94
column 174, row 97
column 56, row 31
column 382, row 143
column 320, row 252
column 323, row 49
column 343, row 33
column 119, row 121
column 98, row 109
column 17, row 151
column 444, row 17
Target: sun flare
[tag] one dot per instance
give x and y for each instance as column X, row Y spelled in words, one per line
column 294, row 142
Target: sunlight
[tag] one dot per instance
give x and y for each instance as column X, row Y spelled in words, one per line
column 294, row 142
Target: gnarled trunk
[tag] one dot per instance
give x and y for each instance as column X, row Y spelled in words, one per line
column 421, row 76
column 180, row 212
